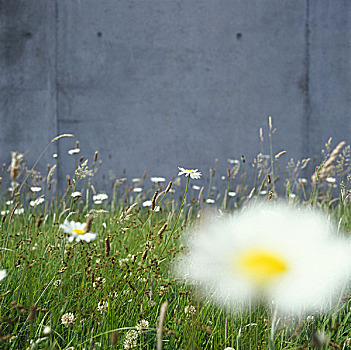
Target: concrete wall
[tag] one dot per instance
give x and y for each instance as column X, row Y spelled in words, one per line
column 156, row 84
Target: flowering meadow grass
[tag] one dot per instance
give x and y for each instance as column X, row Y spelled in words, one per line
column 98, row 270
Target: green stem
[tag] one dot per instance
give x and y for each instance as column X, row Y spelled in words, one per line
column 175, row 224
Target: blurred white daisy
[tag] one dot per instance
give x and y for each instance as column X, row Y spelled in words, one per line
column 156, row 179
column 233, row 161
column 137, row 189
column 36, row 202
column 147, row 203
column 54, row 155
column 74, row 151
column 100, row 197
column 330, row 180
column 35, row 189
column 9, row 202
column 270, row 252
column 196, row 187
column 231, row 194
column 77, row 231
column 210, row 201
column 194, row 174
column 3, row 274
column 76, row 194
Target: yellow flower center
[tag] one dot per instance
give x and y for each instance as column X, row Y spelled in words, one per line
column 78, row 231
column 262, row 266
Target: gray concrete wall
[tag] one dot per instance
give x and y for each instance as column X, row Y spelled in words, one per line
column 156, row 84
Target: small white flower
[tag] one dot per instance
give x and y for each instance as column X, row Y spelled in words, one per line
column 302, row 180
column 194, row 174
column 3, row 274
column 331, row 180
column 100, row 197
column 54, row 155
column 102, row 306
column 35, row 189
column 233, row 161
column 9, row 202
column 68, row 319
column 131, row 339
column 142, row 325
column 74, row 151
column 77, row 231
column 210, row 201
column 292, row 195
column 47, row 330
column 196, row 187
column 271, row 251
column 57, row 283
column 223, row 177
column 36, row 202
column 137, row 189
column 156, row 179
column 98, row 202
column 231, row 194
column 190, row 310
column 76, row 194
column 147, row 203
column 263, row 192
column 99, row 282
column 136, row 179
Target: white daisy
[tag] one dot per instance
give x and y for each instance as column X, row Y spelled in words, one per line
column 100, row 197
column 74, row 151
column 194, row 174
column 270, row 252
column 3, row 274
column 231, row 194
column 210, row 201
column 147, row 203
column 36, row 202
column 331, row 180
column 76, row 194
column 77, row 231
column 35, row 189
column 156, row 179
column 137, row 189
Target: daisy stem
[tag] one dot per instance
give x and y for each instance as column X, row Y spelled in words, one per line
column 177, row 218
column 271, row 339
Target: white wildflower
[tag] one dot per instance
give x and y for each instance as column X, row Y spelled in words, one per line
column 37, row 201
column 74, row 151
column 35, row 189
column 3, row 274
column 131, row 339
column 194, row 174
column 100, row 197
column 77, row 231
column 102, row 306
column 142, row 325
column 156, row 179
column 76, row 194
column 270, row 252
column 68, row 319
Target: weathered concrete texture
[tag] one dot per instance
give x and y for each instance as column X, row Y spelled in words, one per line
column 155, row 84
column 329, row 72
column 27, row 79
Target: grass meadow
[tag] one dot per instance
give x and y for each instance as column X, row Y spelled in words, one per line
column 118, row 291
